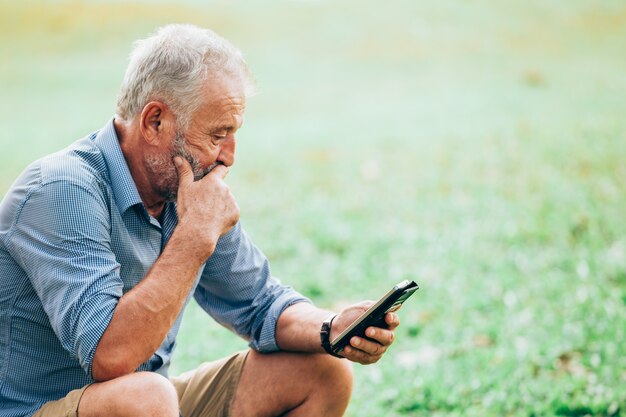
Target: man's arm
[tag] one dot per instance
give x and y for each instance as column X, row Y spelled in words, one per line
column 144, row 315
column 298, row 329
column 238, row 291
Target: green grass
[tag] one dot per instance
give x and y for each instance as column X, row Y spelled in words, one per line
column 477, row 147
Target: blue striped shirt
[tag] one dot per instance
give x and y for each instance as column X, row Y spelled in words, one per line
column 74, row 237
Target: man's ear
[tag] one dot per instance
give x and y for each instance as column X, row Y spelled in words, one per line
column 155, row 122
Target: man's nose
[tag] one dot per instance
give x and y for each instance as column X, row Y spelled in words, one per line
column 227, row 151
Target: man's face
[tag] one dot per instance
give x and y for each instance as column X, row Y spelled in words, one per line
column 209, row 140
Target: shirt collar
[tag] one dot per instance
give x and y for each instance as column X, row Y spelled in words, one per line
column 124, row 189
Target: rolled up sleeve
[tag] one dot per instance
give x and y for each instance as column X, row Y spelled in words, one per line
column 237, row 289
column 62, row 241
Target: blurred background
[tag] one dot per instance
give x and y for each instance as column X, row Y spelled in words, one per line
column 477, row 147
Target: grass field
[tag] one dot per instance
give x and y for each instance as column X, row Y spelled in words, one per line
column 476, row 147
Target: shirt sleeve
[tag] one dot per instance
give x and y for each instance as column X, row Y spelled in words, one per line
column 62, row 241
column 237, row 289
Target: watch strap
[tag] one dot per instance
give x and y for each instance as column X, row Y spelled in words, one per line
column 325, row 336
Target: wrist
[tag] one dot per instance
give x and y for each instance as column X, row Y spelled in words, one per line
column 193, row 245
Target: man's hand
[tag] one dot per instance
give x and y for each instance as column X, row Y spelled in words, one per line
column 362, row 350
column 207, row 206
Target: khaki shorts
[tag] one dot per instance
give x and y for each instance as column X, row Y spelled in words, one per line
column 205, row 391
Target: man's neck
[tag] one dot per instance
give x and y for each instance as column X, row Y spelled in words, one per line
column 129, row 140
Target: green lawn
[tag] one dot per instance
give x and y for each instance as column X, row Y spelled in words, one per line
column 476, row 147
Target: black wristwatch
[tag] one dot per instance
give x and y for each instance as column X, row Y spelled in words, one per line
column 325, row 336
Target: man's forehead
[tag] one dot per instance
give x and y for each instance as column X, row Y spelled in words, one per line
column 233, row 123
column 222, row 99
column 224, row 91
column 230, row 85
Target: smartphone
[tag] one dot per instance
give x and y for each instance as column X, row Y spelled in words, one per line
column 375, row 315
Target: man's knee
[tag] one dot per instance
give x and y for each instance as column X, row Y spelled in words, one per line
column 339, row 370
column 138, row 394
column 316, row 384
column 154, row 394
column 334, row 375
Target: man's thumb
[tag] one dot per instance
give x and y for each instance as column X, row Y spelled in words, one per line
column 185, row 174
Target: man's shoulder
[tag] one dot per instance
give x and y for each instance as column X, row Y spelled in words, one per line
column 64, row 176
column 81, row 164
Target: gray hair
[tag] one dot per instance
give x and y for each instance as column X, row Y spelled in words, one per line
column 172, row 64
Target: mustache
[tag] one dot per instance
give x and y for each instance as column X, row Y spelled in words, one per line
column 205, row 172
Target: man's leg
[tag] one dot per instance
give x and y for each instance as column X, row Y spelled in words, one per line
column 293, row 384
column 139, row 394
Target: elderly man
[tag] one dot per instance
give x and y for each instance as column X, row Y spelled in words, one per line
column 103, row 244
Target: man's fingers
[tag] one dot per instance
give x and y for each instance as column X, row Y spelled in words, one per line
column 383, row 336
column 185, row 173
column 392, row 320
column 367, row 346
column 220, row 170
column 356, row 355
